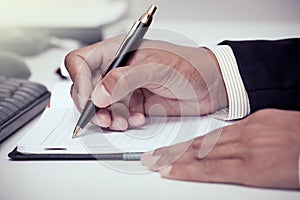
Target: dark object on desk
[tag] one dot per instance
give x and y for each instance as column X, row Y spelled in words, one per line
column 13, row 66
column 16, row 155
column 59, row 73
column 20, row 101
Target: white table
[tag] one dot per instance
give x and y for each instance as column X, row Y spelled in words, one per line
column 99, row 180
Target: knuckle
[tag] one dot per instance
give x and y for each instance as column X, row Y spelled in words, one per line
column 68, row 58
column 196, row 143
column 262, row 114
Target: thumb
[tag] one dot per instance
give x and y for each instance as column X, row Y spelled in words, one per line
column 122, row 81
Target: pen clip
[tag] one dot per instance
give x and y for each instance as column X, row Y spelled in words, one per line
column 146, row 19
column 129, row 34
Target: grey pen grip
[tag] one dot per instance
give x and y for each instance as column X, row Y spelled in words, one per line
column 88, row 112
column 132, row 156
column 129, row 46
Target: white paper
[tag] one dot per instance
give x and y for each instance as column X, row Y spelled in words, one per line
column 53, row 132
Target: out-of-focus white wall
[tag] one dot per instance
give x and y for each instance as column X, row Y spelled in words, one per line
column 203, row 10
column 208, row 22
column 60, row 13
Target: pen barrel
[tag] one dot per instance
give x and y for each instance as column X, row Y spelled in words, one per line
column 130, row 45
column 88, row 112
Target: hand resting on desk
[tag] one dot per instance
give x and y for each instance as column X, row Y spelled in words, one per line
column 161, row 78
column 261, row 150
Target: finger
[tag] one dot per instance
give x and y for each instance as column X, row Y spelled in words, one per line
column 94, row 56
column 122, row 119
column 120, row 114
column 76, row 60
column 82, row 81
column 102, row 118
column 224, row 151
column 219, row 143
column 120, row 82
column 82, row 65
column 136, row 119
column 80, row 94
column 222, row 171
column 199, row 147
column 203, row 145
column 119, row 123
column 157, row 161
column 164, row 156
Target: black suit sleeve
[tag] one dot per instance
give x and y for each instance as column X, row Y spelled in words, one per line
column 270, row 71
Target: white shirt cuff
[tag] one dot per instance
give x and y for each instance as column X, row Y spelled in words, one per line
column 238, row 100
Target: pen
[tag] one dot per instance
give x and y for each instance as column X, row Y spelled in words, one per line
column 129, row 44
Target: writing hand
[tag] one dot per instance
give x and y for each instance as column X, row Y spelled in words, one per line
column 160, row 78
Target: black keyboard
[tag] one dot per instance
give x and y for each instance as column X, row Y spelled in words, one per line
column 20, row 101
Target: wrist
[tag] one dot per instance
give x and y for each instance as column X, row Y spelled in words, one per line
column 213, row 78
column 222, row 93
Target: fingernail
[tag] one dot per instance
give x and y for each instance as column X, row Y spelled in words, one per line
column 97, row 120
column 104, row 91
column 119, row 124
column 136, row 120
column 145, row 157
column 100, row 96
column 165, row 172
column 151, row 160
column 148, row 159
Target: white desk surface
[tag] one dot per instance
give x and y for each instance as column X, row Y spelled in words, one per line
column 96, row 180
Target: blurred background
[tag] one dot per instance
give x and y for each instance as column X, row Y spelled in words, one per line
column 43, row 32
column 88, row 20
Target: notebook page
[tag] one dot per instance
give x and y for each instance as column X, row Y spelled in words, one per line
column 53, row 132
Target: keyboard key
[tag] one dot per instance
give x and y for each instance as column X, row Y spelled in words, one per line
column 9, row 106
column 15, row 102
column 12, row 88
column 29, row 91
column 4, row 95
column 7, row 112
column 5, row 90
column 25, row 95
column 3, row 117
column 21, row 98
column 13, row 83
column 37, row 88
